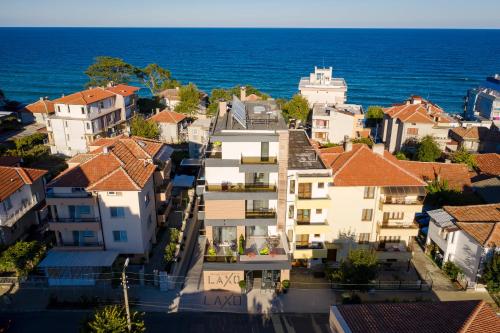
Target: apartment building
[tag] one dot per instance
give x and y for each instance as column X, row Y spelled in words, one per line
column 244, row 197
column 373, row 202
column 466, row 236
column 85, row 116
column 22, row 195
column 407, row 123
column 321, row 87
column 308, row 202
column 111, row 199
column 483, row 103
column 332, row 123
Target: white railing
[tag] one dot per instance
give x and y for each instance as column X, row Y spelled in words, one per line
column 10, row 219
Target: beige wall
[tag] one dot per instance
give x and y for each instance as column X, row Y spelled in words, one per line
column 225, row 209
column 223, row 280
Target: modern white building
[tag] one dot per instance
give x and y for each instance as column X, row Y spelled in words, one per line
column 483, row 103
column 85, row 116
column 244, row 195
column 467, row 236
column 22, row 194
column 198, row 134
column 334, row 122
column 321, row 87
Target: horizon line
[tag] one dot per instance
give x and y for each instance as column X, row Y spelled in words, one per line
column 250, row 27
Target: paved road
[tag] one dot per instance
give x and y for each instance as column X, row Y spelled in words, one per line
column 70, row 321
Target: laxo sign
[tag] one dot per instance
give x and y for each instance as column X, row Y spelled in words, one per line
column 225, row 280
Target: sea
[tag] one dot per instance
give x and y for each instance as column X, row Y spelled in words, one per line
column 380, row 66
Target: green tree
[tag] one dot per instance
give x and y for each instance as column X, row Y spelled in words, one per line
column 360, row 267
column 491, row 275
column 297, row 108
column 30, row 141
column 463, row 156
column 144, row 128
column 452, row 270
column 374, row 115
column 428, row 150
column 22, row 257
column 400, row 155
column 113, row 319
column 366, row 141
column 108, row 69
column 156, row 78
column 189, row 100
column 219, row 94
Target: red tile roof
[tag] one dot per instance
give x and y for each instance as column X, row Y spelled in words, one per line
column 166, row 116
column 13, row 178
column 488, row 164
column 123, row 89
column 85, row 97
column 423, row 112
column 471, row 133
column 363, row 167
column 439, row 317
column 120, row 163
column 40, row 106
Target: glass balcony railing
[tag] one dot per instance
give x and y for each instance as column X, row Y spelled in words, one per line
column 259, row 160
column 74, row 220
column 240, row 187
column 260, row 214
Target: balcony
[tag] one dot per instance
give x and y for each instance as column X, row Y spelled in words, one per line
column 240, row 187
column 213, row 151
column 72, row 198
column 69, row 224
column 259, row 160
column 308, row 228
column 401, row 229
column 401, row 201
column 312, row 203
column 80, row 246
column 260, row 214
column 310, row 250
column 12, row 218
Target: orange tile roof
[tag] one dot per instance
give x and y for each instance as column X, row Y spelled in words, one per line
column 436, row 317
column 481, row 222
column 85, row 97
column 123, row 89
column 488, row 164
column 471, row 133
column 456, row 175
column 40, row 106
column 166, row 116
column 424, row 112
column 362, row 167
column 120, row 163
column 13, row 178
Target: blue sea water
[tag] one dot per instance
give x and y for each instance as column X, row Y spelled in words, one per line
column 380, row 66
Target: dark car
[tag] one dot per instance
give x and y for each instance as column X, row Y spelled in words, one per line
column 422, row 219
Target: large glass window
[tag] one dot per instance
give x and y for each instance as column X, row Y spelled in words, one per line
column 305, row 190
column 303, row 215
column 256, row 231
column 366, row 214
column 117, row 211
column 120, row 236
column 224, row 235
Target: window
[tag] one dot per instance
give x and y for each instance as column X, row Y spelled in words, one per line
column 58, row 108
column 66, row 124
column 305, row 190
column 291, row 211
column 303, row 215
column 48, row 123
column 321, row 185
column 77, row 189
column 117, row 211
column 292, row 186
column 83, row 110
column 369, row 192
column 67, row 137
column 112, row 194
column 389, row 239
column 319, row 211
column 7, row 204
column 119, row 235
column 364, row 238
column 317, row 235
column 412, row 131
column 367, row 215
column 101, row 105
column 146, row 199
column 88, row 126
column 84, row 210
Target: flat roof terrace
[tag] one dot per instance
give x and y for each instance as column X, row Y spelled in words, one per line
column 301, row 154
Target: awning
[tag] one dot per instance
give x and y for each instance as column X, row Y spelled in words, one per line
column 403, row 190
column 183, row 181
column 79, row 259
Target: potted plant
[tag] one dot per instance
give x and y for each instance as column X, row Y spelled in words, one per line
column 241, row 245
column 243, row 286
column 285, row 284
column 264, row 251
column 211, row 253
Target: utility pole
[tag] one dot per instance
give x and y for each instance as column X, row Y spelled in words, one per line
column 125, row 295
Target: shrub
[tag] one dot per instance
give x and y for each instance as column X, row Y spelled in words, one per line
column 491, row 274
column 30, row 141
column 452, row 270
column 264, row 251
column 400, row 155
column 242, row 284
column 211, row 251
column 359, row 268
column 428, row 150
column 113, row 318
column 22, row 257
column 285, row 284
column 241, row 245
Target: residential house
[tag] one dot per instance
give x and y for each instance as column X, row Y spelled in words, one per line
column 321, row 87
column 111, row 199
column 171, row 98
column 405, row 124
column 22, row 196
column 333, row 123
column 486, row 181
column 172, row 125
column 487, row 165
column 373, row 202
column 243, row 190
column 85, row 116
column 491, row 141
column 435, row 317
column 308, row 202
column 36, row 112
column 466, row 236
column 198, row 134
column 484, row 102
column 468, row 138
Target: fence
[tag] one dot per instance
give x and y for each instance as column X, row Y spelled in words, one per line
column 384, row 285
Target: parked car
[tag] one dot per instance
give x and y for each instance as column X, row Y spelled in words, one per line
column 422, row 219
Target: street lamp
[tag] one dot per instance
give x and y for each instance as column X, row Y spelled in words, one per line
column 125, row 294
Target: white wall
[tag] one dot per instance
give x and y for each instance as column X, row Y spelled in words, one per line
column 234, row 150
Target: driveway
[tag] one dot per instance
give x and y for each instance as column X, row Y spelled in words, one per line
column 431, row 273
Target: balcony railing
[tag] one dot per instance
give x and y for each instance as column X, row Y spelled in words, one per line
column 79, row 244
column 259, row 160
column 10, row 219
column 69, row 195
column 260, row 214
column 398, row 225
column 401, row 201
column 309, row 246
column 74, row 220
column 240, row 187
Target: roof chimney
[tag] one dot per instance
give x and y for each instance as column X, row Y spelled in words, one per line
column 347, row 144
column 222, row 108
column 378, row 148
column 243, row 94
